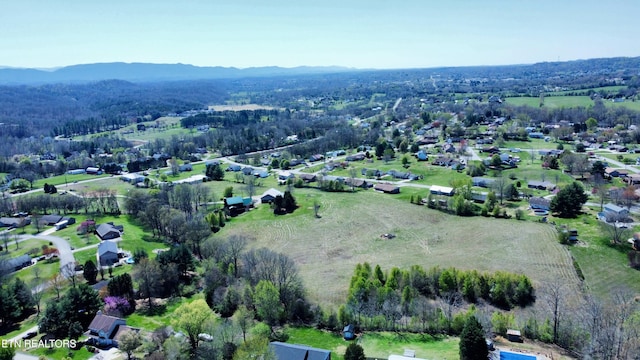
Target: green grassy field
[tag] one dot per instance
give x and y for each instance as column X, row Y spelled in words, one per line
column 23, row 247
column 633, row 105
column 609, row 155
column 377, row 345
column 608, row 89
column 65, row 179
column 60, row 353
column 551, row 102
column 47, row 269
column 349, row 232
column 595, row 253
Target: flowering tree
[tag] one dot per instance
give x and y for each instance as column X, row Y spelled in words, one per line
column 116, row 305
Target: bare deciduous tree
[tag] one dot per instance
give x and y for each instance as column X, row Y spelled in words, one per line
column 234, row 247
column 68, row 270
column 449, row 302
column 616, row 228
column 554, row 295
column 57, row 282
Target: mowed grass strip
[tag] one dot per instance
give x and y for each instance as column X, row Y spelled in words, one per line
column 349, row 230
column 377, row 345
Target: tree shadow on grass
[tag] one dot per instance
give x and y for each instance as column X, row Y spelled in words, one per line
column 155, row 310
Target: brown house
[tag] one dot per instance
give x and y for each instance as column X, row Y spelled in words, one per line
column 387, row 188
column 308, row 178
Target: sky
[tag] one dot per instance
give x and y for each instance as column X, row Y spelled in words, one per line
column 353, row 33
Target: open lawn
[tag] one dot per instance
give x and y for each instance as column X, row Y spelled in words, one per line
column 607, row 89
column 632, row 105
column 594, row 253
column 526, row 146
column 551, row 102
column 59, row 353
column 152, row 134
column 68, row 179
column 111, row 183
column 349, row 231
column 46, row 268
column 378, row 345
column 32, row 246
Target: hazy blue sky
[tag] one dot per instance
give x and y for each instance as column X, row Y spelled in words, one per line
column 354, row 33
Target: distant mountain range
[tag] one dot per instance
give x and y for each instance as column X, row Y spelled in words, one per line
column 145, row 72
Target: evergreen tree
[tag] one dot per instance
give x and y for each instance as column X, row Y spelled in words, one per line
column 569, row 200
column 90, row 272
column 9, row 307
column 354, row 352
column 473, row 345
column 289, row 202
column 214, row 172
column 23, row 296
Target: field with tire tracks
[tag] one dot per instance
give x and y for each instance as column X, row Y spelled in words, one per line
column 349, row 231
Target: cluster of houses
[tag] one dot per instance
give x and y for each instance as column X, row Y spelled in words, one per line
column 247, row 170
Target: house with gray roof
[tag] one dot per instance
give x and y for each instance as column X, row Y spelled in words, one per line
column 14, row 264
column 107, row 253
column 284, row 351
column 270, row 195
column 108, row 231
column 105, row 326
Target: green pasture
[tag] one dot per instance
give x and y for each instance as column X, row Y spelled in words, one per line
column 349, row 229
column 629, row 104
column 551, row 102
column 607, row 89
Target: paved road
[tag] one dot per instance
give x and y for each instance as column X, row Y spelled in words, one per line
column 617, row 163
column 474, row 154
column 64, row 249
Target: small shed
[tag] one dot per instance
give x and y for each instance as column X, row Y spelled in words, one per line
column 349, row 332
column 514, row 335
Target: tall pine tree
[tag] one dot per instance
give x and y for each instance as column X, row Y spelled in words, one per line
column 473, row 345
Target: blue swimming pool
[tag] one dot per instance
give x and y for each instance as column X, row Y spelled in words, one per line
column 507, row 355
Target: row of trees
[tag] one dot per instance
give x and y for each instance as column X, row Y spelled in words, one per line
column 381, row 300
column 101, row 201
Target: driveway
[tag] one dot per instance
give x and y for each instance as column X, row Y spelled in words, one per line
column 23, row 356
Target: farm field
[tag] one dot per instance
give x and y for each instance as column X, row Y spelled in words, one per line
column 349, row 232
column 551, row 101
column 568, row 101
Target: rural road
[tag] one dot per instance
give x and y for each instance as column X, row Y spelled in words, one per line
column 619, row 164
